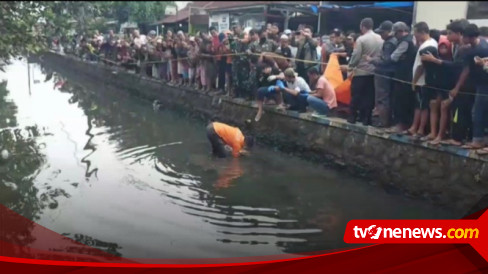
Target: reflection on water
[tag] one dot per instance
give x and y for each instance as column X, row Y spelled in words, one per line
column 142, row 183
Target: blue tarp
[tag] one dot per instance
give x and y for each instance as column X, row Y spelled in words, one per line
column 393, row 4
column 402, row 4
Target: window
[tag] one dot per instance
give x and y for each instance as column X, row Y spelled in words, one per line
column 477, row 10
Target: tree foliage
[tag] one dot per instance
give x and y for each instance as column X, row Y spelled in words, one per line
column 17, row 33
column 27, row 26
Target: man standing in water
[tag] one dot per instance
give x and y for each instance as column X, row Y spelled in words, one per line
column 222, row 135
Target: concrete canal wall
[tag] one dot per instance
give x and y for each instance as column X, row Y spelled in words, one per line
column 448, row 176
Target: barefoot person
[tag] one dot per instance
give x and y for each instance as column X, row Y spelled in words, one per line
column 479, row 49
column 452, row 69
column 222, row 137
column 423, row 74
column 269, row 81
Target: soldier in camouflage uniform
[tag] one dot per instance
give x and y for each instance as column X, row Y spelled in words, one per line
column 260, row 44
column 240, row 63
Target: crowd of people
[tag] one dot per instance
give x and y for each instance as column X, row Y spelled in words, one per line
column 422, row 82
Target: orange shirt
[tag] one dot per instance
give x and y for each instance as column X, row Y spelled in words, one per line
column 232, row 136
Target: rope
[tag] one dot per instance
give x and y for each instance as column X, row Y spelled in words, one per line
column 216, row 55
column 296, row 60
column 425, row 86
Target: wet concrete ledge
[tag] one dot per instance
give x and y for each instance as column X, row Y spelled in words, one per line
column 447, row 176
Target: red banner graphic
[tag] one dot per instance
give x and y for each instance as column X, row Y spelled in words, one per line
column 27, row 246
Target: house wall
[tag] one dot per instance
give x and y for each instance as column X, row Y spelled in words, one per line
column 438, row 14
column 253, row 18
column 219, row 20
column 479, row 22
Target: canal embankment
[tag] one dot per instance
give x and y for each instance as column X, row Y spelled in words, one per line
column 445, row 175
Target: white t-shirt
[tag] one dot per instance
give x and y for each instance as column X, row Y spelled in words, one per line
column 140, row 41
column 293, row 51
column 298, row 85
column 319, row 52
column 429, row 43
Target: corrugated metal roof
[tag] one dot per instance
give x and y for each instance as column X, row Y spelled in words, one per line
column 183, row 14
column 218, row 5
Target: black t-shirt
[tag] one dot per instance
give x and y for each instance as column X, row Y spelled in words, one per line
column 173, row 52
column 342, row 60
column 263, row 77
column 477, row 74
column 105, row 48
column 182, row 52
column 431, row 70
column 285, row 52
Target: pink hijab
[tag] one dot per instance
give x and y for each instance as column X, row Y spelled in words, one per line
column 444, row 41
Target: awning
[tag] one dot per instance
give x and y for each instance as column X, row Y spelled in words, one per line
column 385, row 5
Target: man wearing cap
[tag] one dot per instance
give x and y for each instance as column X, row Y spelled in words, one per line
column 362, row 84
column 384, row 70
column 264, row 44
column 296, row 90
column 151, row 35
column 336, row 45
column 273, row 33
column 403, row 58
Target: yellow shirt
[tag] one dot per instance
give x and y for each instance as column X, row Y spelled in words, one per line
column 90, row 48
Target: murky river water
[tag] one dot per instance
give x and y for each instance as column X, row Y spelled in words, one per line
column 98, row 165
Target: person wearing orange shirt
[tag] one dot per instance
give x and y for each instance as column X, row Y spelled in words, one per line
column 222, row 135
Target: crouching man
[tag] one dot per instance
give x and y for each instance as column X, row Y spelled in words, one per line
column 270, row 80
column 224, row 138
column 296, row 91
column 322, row 99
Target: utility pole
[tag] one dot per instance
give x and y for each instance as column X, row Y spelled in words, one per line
column 320, row 17
column 189, row 20
column 286, row 14
column 28, row 75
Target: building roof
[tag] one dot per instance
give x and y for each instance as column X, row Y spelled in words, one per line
column 399, row 4
column 220, row 5
column 184, row 13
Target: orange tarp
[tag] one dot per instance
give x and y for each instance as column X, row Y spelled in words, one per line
column 333, row 74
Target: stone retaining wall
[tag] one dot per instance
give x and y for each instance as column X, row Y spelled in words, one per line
column 448, row 176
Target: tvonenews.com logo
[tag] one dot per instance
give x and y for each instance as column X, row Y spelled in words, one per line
column 375, row 232
column 467, row 231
